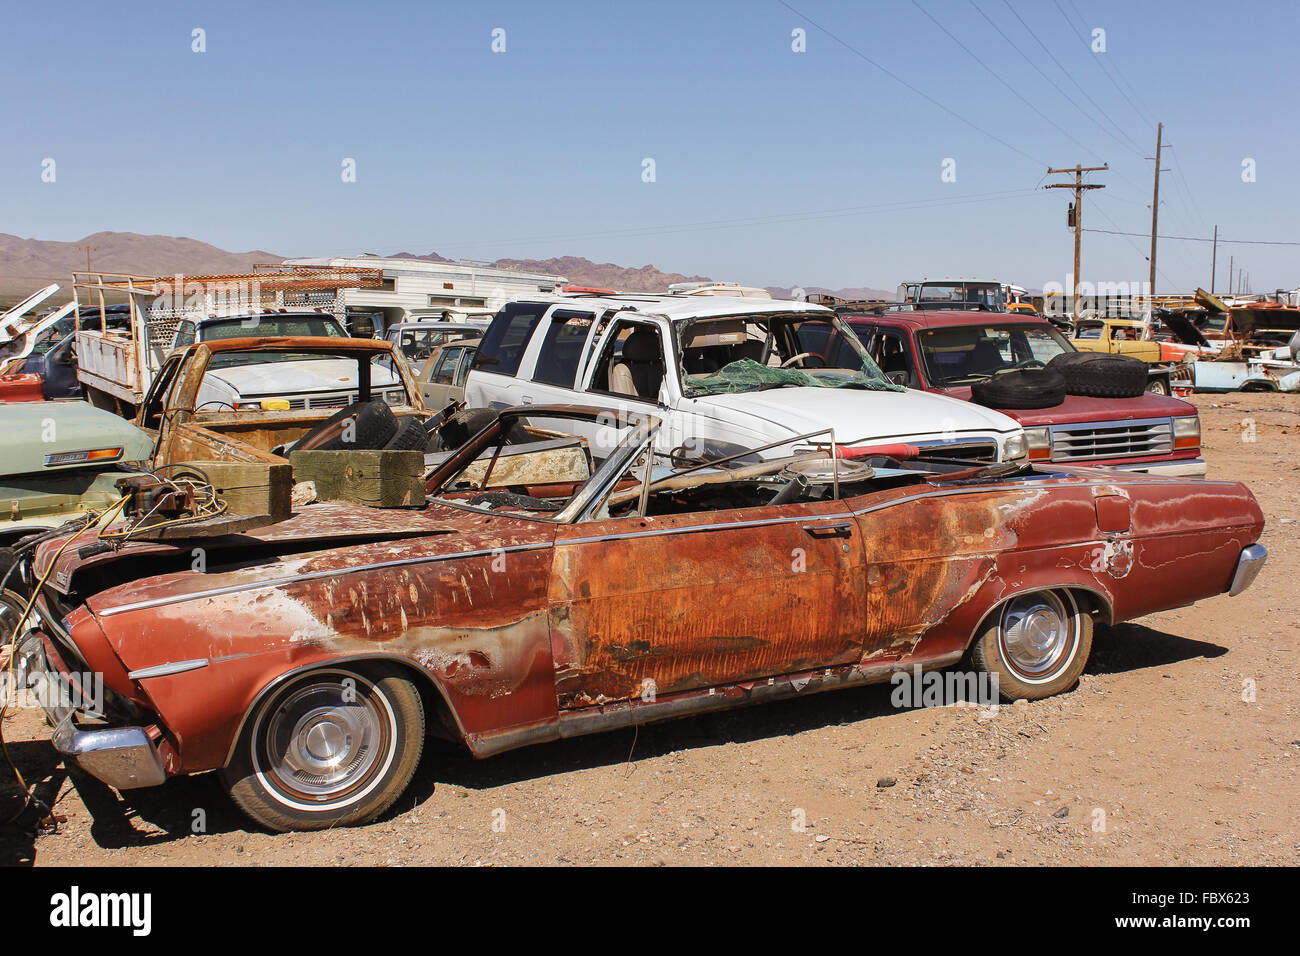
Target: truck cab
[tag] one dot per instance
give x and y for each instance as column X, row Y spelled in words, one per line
column 984, row 295
column 946, row 352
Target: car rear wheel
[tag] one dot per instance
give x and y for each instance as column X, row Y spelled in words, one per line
column 1035, row 644
column 1158, row 386
column 332, row 747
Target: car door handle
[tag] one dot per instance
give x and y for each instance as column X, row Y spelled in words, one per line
column 840, row 529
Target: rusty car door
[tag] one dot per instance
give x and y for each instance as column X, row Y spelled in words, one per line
column 674, row 603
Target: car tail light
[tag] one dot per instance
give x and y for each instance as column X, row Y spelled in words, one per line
column 81, row 457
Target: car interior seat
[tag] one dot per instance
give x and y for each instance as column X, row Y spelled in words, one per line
column 640, row 369
column 985, row 359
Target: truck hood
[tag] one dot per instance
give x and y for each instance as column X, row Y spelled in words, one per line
column 297, row 378
column 858, row 415
column 1077, row 408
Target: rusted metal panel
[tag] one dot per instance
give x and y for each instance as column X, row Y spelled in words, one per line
column 662, row 605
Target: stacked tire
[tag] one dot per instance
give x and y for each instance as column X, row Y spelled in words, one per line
column 1101, row 374
column 1020, row 389
column 366, row 426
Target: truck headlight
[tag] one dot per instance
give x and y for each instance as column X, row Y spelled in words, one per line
column 1015, row 448
column 1187, row 431
column 1039, row 441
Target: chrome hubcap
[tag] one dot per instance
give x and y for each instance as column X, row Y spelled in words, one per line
column 1037, row 635
column 324, row 738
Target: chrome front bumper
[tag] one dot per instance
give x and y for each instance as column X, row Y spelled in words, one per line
column 1248, row 567
column 122, row 757
column 125, row 758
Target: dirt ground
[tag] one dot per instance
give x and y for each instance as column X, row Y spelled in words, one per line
column 1156, row 758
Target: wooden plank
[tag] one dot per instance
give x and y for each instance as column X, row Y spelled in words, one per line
column 247, row 488
column 377, row 479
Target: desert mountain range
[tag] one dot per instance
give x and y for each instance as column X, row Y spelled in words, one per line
column 28, row 264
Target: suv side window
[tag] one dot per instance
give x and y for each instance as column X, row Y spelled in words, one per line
column 632, row 363
column 562, row 347
column 506, row 338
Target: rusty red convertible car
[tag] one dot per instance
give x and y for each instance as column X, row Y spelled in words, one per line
column 539, row 594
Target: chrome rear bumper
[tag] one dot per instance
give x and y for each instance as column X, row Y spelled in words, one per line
column 1248, row 567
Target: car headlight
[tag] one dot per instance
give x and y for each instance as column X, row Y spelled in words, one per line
column 1039, row 442
column 1187, row 431
column 1015, row 448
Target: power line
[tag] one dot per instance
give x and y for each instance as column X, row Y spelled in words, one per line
column 1101, row 126
column 1047, row 119
column 1240, row 242
column 1070, row 76
column 1101, row 66
column 1105, row 215
column 925, row 96
column 1113, row 64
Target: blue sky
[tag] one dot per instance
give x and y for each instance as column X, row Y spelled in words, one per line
column 771, row 167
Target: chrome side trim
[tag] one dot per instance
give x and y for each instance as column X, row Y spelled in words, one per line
column 1249, row 565
column 165, row 670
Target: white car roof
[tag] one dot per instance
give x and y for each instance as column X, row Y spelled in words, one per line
column 678, row 308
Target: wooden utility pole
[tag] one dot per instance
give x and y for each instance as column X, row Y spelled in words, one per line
column 1214, row 258
column 87, row 248
column 1078, row 186
column 1229, row 275
column 1155, row 208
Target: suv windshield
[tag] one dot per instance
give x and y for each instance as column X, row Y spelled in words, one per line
column 964, row 354
column 751, row 353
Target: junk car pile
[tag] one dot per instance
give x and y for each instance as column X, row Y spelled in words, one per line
column 653, row 506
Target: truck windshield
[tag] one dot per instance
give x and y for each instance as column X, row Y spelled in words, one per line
column 961, row 295
column 963, row 354
column 752, row 353
column 270, row 324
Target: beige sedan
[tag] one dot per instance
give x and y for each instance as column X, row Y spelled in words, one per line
column 442, row 377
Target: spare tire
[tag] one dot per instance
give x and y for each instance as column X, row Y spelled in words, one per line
column 1101, row 374
column 374, row 426
column 411, row 435
column 1020, row 388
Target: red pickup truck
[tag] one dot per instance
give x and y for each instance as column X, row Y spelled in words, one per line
column 949, row 351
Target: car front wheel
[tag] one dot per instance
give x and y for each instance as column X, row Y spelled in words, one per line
column 1036, row 645
column 332, row 747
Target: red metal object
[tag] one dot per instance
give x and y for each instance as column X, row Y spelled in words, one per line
column 524, row 630
column 22, row 387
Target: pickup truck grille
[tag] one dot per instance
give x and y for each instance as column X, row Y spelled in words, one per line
column 1089, row 441
column 393, row 396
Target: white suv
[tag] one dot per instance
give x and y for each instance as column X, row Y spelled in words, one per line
column 724, row 374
